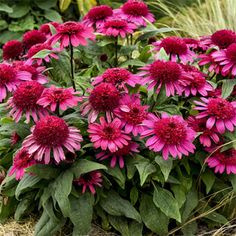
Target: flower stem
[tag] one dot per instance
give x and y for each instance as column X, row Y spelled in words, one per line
column 116, row 51
column 72, row 66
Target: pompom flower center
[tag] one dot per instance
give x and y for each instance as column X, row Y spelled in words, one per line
column 7, row 74
column 135, row 8
column 116, row 24
column 70, row 28
column 115, row 75
column 198, row 81
column 174, row 45
column 27, row 95
column 220, row 108
column 51, row 131
column 165, row 71
column 231, row 52
column 59, row 95
column 100, row 12
column 104, row 97
column 136, row 115
column 22, row 159
column 123, row 151
column 228, row 157
column 110, row 133
column 170, row 131
column 223, row 38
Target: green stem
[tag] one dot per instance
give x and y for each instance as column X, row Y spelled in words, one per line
column 72, row 66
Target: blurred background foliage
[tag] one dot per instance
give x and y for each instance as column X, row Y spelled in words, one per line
column 191, row 17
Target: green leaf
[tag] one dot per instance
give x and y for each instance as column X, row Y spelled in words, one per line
column 216, row 217
column 190, row 229
column 165, row 166
column 84, row 166
column 120, row 224
column 8, row 207
column 23, row 24
column 208, row 179
column 145, row 168
column 135, row 228
column 179, row 194
column 28, row 181
column 45, row 4
column 132, row 62
column 42, row 54
column 5, row 8
column 114, row 205
column 232, row 178
column 44, row 171
column 152, row 217
column 134, row 195
column 162, row 55
column 64, row 4
column 6, row 35
column 164, row 199
column 63, row 186
column 52, row 15
column 81, row 213
column 118, row 176
column 3, row 25
column 19, row 10
column 227, row 87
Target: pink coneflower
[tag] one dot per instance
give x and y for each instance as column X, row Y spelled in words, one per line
column 207, row 136
column 117, row 27
column 34, row 72
column 135, row 11
column 219, row 112
column 171, row 135
column 103, row 98
column 119, row 155
column 15, row 138
column 223, row 161
column 21, row 161
column 24, row 101
column 176, row 48
column 223, row 38
column 132, row 114
column 31, row 55
column 59, row 98
column 52, row 134
column 227, row 59
column 89, row 180
column 12, row 50
column 73, row 33
column 45, row 28
column 215, row 93
column 9, row 79
column 164, row 73
column 33, row 37
column 194, row 81
column 98, row 15
column 108, row 135
column 119, row 77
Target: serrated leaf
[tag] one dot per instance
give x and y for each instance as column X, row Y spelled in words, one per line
column 165, row 166
column 81, row 213
column 63, row 186
column 164, row 200
column 114, row 205
column 152, row 217
column 209, row 180
column 227, row 87
column 145, row 168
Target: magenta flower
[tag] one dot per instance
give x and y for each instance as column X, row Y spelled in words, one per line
column 226, row 59
column 163, row 73
column 136, row 12
column 108, row 135
column 219, row 112
column 21, row 161
column 97, row 16
column 33, row 37
column 223, row 161
column 176, row 48
column 37, row 48
column 194, row 81
column 171, row 135
column 119, row 77
column 52, row 134
column 10, row 78
column 104, row 98
column 59, row 97
column 132, row 114
column 118, row 156
column 117, row 27
column 12, row 49
column 73, row 33
column 32, row 72
column 207, row 136
column 89, row 180
column 24, row 101
column 45, row 28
